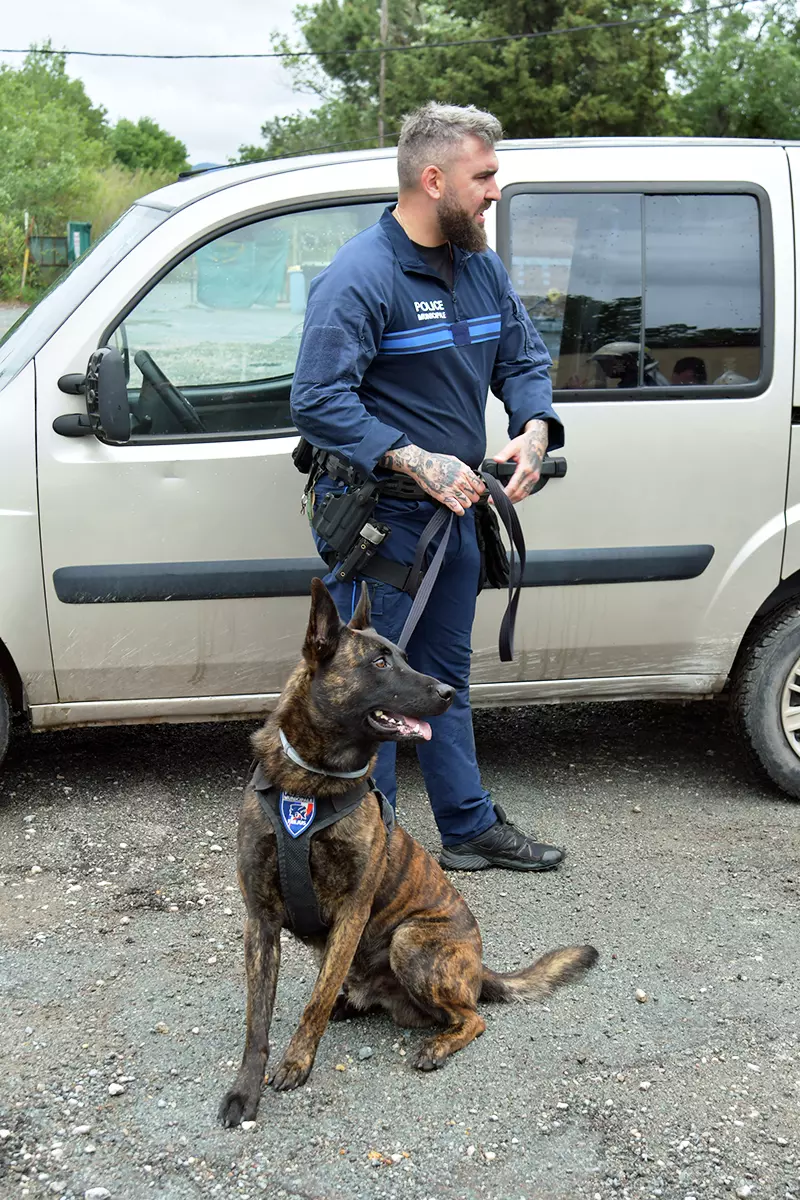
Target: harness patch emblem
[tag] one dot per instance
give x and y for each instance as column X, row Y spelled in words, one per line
column 297, row 813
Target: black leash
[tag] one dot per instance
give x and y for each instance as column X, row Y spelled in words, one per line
column 443, row 517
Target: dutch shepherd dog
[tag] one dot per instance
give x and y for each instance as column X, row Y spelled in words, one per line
column 400, row 937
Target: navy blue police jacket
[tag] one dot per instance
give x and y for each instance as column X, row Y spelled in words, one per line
column 390, row 355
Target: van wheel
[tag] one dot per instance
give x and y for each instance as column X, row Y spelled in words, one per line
column 765, row 693
column 5, row 719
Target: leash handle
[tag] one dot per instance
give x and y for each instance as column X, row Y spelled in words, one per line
column 507, row 514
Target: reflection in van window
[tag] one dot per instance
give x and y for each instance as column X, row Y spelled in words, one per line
column 631, row 291
column 702, row 297
column 576, row 262
column 211, row 348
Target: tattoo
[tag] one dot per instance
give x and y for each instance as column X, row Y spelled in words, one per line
column 536, row 438
column 441, row 475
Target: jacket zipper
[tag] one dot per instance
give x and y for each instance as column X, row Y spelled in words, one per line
column 435, row 275
column 453, row 288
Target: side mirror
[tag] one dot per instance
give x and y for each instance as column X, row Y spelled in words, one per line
column 107, row 394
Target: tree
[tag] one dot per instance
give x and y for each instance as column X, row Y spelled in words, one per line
column 336, row 123
column 45, row 73
column 598, row 81
column 347, row 86
column 740, row 77
column 51, row 136
column 144, row 144
column 56, row 160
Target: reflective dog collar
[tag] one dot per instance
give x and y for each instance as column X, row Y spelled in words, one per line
column 291, row 753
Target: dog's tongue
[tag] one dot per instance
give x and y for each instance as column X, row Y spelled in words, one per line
column 414, row 725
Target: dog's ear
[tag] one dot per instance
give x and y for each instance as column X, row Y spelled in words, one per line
column 361, row 617
column 324, row 626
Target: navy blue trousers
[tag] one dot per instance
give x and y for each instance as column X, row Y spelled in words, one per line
column 440, row 646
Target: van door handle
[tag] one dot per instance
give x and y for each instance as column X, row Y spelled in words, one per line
column 74, row 425
column 551, row 468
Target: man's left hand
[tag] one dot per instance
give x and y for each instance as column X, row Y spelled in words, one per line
column 527, row 451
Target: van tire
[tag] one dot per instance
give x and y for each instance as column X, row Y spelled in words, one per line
column 757, row 688
column 5, row 719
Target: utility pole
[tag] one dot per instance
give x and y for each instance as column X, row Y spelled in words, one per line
column 703, row 7
column 382, row 70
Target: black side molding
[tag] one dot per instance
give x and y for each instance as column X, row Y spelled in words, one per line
column 263, row 578
column 624, row 564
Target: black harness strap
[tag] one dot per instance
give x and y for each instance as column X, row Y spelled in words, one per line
column 294, row 853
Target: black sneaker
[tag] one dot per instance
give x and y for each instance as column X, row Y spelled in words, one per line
column 502, row 845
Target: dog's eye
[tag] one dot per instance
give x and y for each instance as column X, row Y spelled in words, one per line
column 380, row 663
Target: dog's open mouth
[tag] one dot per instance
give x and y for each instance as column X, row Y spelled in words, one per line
column 399, row 726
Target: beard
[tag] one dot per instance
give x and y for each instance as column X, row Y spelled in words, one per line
column 459, row 227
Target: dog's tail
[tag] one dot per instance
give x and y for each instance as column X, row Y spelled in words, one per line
column 542, row 977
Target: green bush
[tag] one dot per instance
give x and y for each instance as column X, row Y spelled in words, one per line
column 12, row 249
column 107, row 194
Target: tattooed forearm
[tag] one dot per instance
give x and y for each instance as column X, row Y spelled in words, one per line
column 444, row 477
column 536, row 437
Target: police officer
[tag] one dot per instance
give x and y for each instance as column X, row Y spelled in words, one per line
column 405, row 332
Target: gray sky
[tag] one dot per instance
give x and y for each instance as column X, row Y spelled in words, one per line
column 213, row 107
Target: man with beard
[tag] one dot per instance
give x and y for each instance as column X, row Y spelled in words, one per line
column 405, row 332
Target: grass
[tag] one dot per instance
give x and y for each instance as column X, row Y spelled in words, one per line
column 112, row 190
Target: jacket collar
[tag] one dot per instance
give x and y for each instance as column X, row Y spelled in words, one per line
column 406, row 252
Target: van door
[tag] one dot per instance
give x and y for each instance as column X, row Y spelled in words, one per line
column 203, row 504
column 671, row 326
column 791, row 561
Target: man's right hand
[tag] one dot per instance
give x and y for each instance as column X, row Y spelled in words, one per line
column 444, row 477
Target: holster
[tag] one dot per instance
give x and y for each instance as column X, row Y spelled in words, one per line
column 340, row 516
column 494, row 558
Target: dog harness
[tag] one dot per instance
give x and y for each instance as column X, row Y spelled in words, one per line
column 296, row 819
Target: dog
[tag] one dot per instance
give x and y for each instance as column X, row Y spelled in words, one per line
column 399, row 937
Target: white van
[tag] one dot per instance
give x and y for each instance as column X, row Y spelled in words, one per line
column 155, row 560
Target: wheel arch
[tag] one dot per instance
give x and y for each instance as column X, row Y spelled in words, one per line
column 12, row 679
column 787, row 592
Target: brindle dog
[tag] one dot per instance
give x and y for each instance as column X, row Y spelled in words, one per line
column 400, row 936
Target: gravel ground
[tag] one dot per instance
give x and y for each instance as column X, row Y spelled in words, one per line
column 123, row 984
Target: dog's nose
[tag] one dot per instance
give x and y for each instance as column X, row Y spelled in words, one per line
column 444, row 692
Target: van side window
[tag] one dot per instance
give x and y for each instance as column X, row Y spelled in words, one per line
column 702, row 297
column 211, row 348
column 637, row 291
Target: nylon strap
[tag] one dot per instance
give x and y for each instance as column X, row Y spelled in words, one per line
column 508, row 515
column 429, row 579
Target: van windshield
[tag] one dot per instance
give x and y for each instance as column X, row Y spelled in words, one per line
column 38, row 324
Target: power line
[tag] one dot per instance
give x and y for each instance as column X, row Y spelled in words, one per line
column 630, row 22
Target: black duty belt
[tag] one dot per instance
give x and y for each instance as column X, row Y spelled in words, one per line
column 296, row 819
column 398, row 487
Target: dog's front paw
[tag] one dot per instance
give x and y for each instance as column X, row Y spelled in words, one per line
column 238, row 1105
column 429, row 1059
column 291, row 1073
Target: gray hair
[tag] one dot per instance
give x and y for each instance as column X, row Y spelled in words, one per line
column 431, row 135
